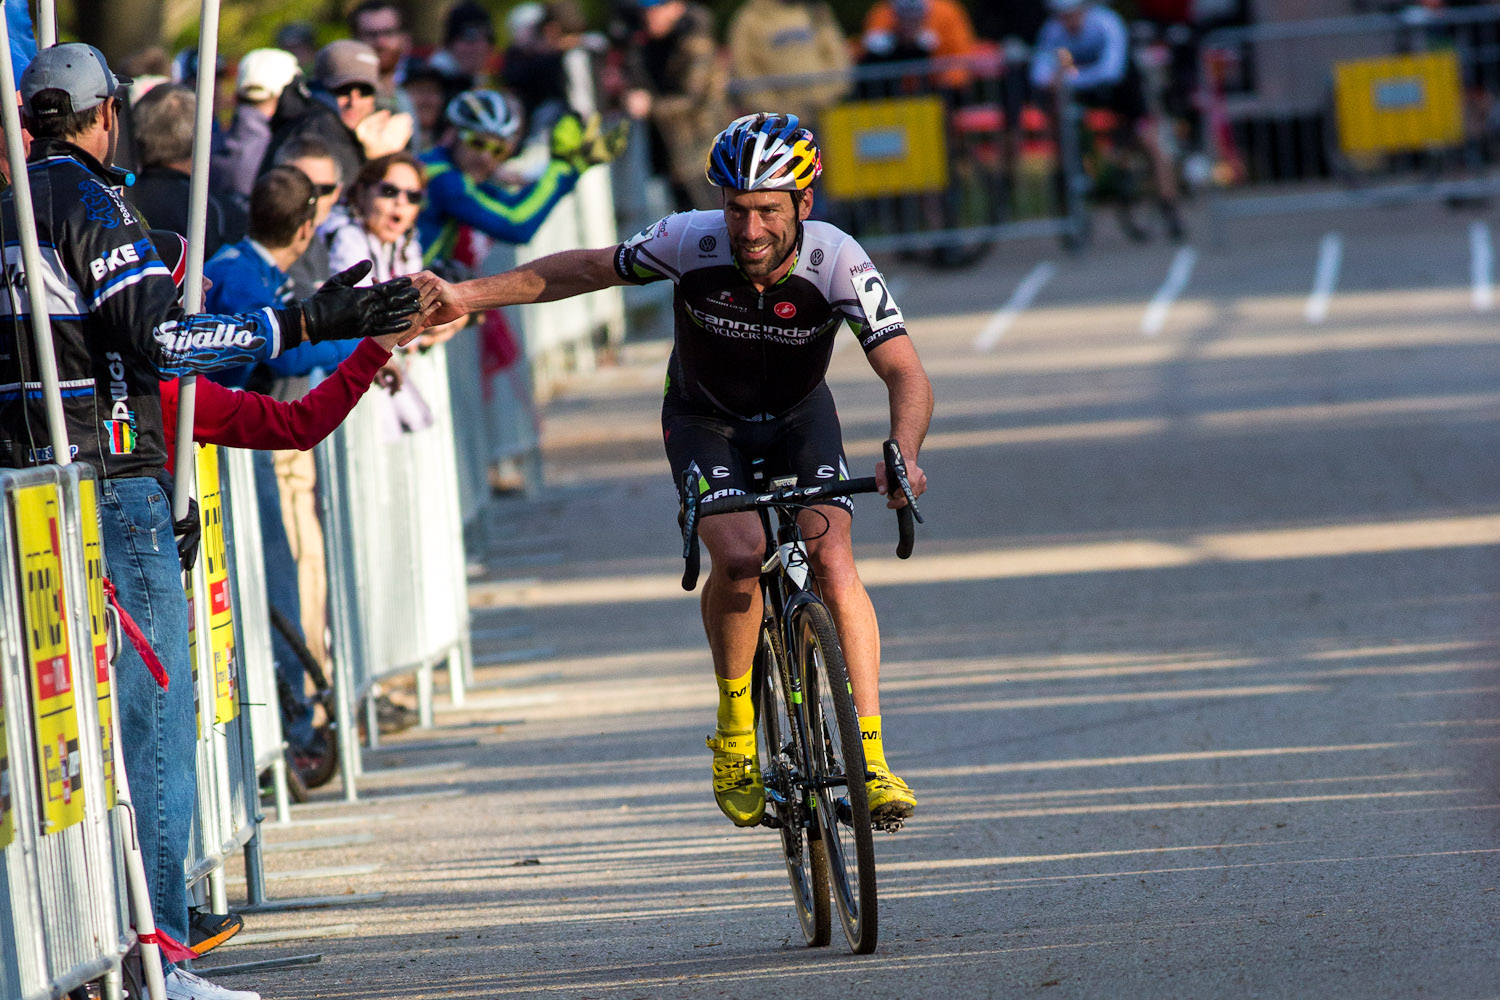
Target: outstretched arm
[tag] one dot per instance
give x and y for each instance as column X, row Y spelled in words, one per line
column 898, row 366
column 546, row 279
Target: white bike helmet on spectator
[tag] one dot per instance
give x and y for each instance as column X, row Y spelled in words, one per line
column 764, row 152
column 487, row 112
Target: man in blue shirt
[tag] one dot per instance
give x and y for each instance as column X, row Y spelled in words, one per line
column 1087, row 46
column 245, row 275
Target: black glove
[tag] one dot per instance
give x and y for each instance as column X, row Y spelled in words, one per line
column 188, row 531
column 339, row 311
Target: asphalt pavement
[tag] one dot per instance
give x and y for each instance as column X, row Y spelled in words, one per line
column 1193, row 671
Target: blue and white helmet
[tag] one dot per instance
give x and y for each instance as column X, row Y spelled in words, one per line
column 764, row 152
column 489, row 112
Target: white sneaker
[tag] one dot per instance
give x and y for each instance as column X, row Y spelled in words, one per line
column 183, row 985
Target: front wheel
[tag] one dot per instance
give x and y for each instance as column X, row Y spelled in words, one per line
column 836, row 758
column 783, row 762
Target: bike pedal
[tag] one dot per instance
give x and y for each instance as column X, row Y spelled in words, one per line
column 774, row 822
column 889, row 826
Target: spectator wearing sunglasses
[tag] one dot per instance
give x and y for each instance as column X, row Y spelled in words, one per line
column 379, row 224
column 339, row 109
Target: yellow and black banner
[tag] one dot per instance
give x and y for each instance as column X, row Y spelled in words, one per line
column 93, row 559
column 49, row 656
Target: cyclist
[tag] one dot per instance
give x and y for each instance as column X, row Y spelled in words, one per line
column 760, row 294
column 1086, row 45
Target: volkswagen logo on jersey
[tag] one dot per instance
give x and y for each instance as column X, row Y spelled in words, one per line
column 707, row 244
column 816, row 258
column 786, row 310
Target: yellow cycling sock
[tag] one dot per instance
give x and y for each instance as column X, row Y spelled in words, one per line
column 870, row 736
column 736, row 713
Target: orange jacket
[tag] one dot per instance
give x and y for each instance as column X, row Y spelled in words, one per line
column 949, row 25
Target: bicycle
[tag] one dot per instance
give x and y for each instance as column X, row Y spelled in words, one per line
column 807, row 728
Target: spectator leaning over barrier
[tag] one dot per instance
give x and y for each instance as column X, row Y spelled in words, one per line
column 483, row 130
column 238, row 151
column 164, row 135
column 118, row 329
column 788, row 38
column 1087, row 46
column 678, row 86
column 338, row 109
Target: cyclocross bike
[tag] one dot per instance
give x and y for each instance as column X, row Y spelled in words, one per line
column 812, row 758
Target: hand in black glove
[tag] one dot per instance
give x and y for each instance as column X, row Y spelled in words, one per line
column 340, row 311
column 189, row 530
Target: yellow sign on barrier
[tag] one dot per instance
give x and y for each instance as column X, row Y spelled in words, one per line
column 38, row 513
column 1399, row 103
column 93, row 561
column 214, row 563
column 7, row 814
column 885, row 148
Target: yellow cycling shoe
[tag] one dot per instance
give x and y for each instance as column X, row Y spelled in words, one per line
column 891, row 799
column 738, row 787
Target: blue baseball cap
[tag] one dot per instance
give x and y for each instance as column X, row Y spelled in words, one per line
column 75, row 68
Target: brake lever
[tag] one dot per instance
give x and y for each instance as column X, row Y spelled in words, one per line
column 895, row 467
column 895, row 472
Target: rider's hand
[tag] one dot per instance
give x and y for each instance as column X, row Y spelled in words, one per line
column 442, row 302
column 914, row 475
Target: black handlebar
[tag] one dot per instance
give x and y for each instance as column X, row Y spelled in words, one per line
column 693, row 510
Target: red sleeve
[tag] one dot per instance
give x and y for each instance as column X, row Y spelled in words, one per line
column 169, row 420
column 250, row 420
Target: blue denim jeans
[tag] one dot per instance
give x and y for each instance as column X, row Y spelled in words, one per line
column 158, row 732
column 283, row 595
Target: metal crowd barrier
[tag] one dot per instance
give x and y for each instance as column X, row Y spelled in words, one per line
column 1338, row 112
column 63, row 921
column 252, row 623
column 392, row 528
column 944, row 155
column 228, row 812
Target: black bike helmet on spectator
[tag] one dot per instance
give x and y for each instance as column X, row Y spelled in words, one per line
column 487, row 112
column 764, row 152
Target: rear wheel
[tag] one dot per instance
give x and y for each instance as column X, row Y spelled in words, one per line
column 837, row 761
column 782, row 761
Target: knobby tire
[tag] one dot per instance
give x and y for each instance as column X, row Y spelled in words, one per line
column 806, row 857
column 837, row 753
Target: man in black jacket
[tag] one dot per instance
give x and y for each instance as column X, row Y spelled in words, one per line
column 118, row 329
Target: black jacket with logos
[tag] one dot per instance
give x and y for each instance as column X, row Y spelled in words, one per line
column 118, row 328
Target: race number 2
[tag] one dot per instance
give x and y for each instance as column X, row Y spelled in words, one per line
column 881, row 311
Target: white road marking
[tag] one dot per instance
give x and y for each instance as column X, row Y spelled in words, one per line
column 1161, row 303
column 1330, row 256
column 1020, row 299
column 1481, row 266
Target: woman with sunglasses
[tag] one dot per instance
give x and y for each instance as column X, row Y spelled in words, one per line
column 378, row 223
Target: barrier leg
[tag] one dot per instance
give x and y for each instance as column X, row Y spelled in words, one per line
column 424, row 697
column 140, row 903
column 372, row 722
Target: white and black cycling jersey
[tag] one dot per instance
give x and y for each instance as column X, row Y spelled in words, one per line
column 749, row 353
